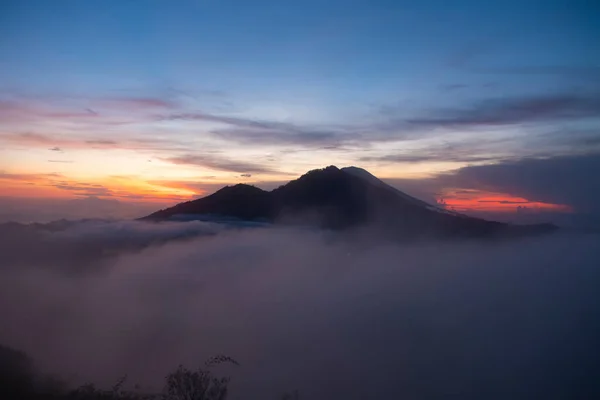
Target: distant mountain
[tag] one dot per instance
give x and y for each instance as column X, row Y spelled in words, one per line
column 341, row 199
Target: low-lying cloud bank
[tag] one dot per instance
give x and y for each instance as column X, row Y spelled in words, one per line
column 306, row 310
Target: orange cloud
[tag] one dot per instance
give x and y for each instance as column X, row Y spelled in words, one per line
column 59, row 186
column 479, row 200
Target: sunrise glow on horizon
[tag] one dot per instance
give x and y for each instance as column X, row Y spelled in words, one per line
column 115, row 100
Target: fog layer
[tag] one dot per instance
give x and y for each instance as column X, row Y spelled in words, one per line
column 304, row 310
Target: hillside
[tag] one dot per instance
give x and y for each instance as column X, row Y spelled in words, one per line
column 340, row 199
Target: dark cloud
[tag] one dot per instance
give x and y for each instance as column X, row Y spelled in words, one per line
column 510, row 111
column 235, row 121
column 591, row 141
column 55, row 149
column 138, row 102
column 246, row 175
column 570, row 180
column 567, row 109
column 394, row 125
column 299, row 136
column 572, row 71
column 573, row 139
column 467, row 59
column 426, row 157
column 466, row 151
column 219, row 163
column 453, row 87
column 260, row 132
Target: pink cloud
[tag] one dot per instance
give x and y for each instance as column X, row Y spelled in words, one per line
column 100, row 110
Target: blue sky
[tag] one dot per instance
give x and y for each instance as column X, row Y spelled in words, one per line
column 273, row 88
column 346, row 54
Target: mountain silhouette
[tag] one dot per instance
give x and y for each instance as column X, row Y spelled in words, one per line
column 341, row 199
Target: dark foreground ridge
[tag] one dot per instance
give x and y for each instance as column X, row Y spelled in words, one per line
column 341, row 199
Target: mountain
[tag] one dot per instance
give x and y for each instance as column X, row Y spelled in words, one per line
column 340, row 199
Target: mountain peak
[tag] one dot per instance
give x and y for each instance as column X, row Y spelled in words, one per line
column 327, row 170
column 335, row 198
column 361, row 173
column 240, row 188
column 353, row 168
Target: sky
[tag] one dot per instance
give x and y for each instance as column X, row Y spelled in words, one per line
column 484, row 107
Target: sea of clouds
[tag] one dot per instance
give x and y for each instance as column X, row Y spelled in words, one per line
column 332, row 316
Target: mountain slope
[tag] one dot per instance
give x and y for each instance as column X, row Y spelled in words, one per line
column 366, row 175
column 239, row 201
column 339, row 199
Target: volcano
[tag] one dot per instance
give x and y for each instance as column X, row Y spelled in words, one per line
column 341, row 199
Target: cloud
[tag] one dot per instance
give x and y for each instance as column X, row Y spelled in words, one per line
column 280, row 137
column 38, row 209
column 223, row 164
column 484, row 114
column 465, row 151
column 331, row 317
column 504, row 201
column 563, row 141
column 59, row 142
column 119, row 188
column 29, row 177
column 570, row 180
column 235, row 121
column 76, row 141
column 83, row 189
column 510, row 111
column 138, row 103
column 467, row 57
column 74, row 115
column 572, row 71
column 426, row 157
column 198, row 185
column 31, row 138
column 307, row 137
column 394, row 126
column 23, row 110
column 112, row 233
column 261, row 132
column 101, row 142
column 453, row 87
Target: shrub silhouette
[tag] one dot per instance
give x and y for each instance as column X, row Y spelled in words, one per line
column 185, row 384
column 19, row 380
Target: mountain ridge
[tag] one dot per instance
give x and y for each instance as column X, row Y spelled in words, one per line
column 341, row 199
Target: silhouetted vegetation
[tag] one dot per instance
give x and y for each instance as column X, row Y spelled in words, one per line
column 19, row 380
